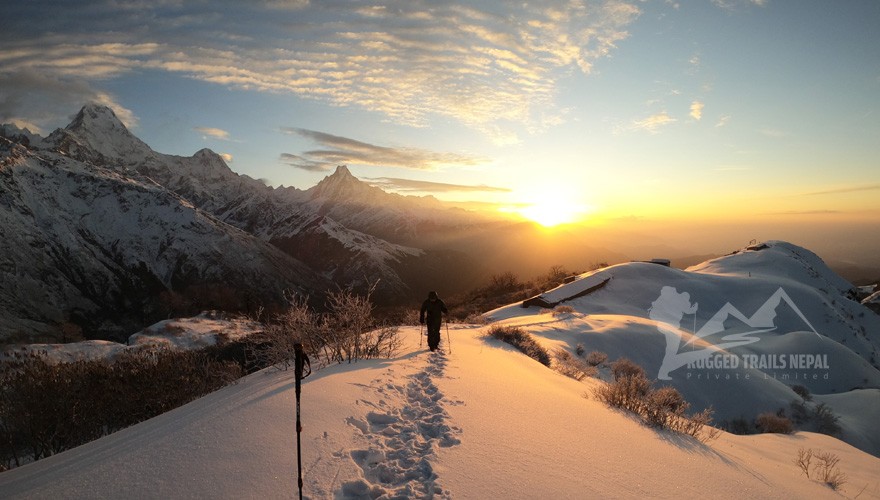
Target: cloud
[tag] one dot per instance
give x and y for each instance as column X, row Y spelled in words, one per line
column 42, row 100
column 342, row 150
column 216, row 133
column 304, row 163
column 397, row 184
column 226, row 157
column 733, row 5
column 851, row 189
column 697, row 110
column 804, row 212
column 480, row 63
column 724, row 120
column 653, row 123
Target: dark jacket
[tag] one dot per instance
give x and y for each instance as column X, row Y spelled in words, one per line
column 432, row 311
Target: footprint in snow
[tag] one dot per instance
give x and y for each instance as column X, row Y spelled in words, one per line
column 403, row 432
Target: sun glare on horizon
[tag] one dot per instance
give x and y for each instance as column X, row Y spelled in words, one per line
column 552, row 207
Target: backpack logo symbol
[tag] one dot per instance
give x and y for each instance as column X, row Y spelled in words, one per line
column 669, row 309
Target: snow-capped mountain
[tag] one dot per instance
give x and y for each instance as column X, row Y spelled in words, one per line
column 91, row 210
column 84, row 244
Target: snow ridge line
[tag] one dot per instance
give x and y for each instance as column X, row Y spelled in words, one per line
column 403, row 437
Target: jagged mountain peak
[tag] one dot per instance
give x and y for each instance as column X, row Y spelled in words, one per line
column 343, row 185
column 96, row 128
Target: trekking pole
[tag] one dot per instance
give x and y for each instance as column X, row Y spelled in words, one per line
column 449, row 340
column 300, row 361
column 420, row 336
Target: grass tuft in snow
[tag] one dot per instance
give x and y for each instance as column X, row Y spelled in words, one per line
column 520, row 339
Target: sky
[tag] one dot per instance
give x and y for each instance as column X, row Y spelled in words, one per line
column 709, row 114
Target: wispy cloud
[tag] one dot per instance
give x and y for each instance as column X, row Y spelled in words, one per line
column 697, row 110
column 39, row 100
column 305, row 163
column 397, row 184
column 342, row 150
column 653, row 123
column 216, row 133
column 722, row 121
column 481, row 64
column 732, row 5
column 851, row 189
column 804, row 212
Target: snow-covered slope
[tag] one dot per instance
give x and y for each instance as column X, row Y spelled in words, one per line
column 88, row 244
column 96, row 225
column 735, row 333
column 483, row 421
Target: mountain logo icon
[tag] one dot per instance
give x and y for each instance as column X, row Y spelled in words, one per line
column 669, row 309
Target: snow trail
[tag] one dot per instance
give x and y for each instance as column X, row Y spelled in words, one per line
column 403, row 432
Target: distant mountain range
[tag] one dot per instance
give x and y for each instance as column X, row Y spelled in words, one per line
column 105, row 235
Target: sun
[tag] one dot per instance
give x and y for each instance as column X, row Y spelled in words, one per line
column 552, row 208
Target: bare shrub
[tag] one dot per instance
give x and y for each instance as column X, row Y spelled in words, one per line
column 560, row 311
column 46, row 408
column 693, row 424
column 773, row 423
column 826, row 470
column 739, row 425
column 624, row 367
column 826, row 420
column 664, row 408
column 803, row 460
column 520, row 339
column 799, row 412
column 275, row 347
column 802, row 391
column 347, row 332
column 580, row 350
column 627, row 392
column 571, row 366
column 596, row 358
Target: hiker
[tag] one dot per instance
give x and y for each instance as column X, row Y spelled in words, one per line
column 432, row 312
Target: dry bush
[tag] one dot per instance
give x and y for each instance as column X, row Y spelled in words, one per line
column 47, row 407
column 596, row 358
column 664, row 408
column 347, row 332
column 826, row 420
column 560, row 311
column 827, row 471
column 571, row 366
column 802, row 391
column 627, row 392
column 624, row 367
column 520, row 339
column 773, row 423
column 803, row 460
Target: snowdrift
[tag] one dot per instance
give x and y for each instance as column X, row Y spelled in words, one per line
column 734, row 333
